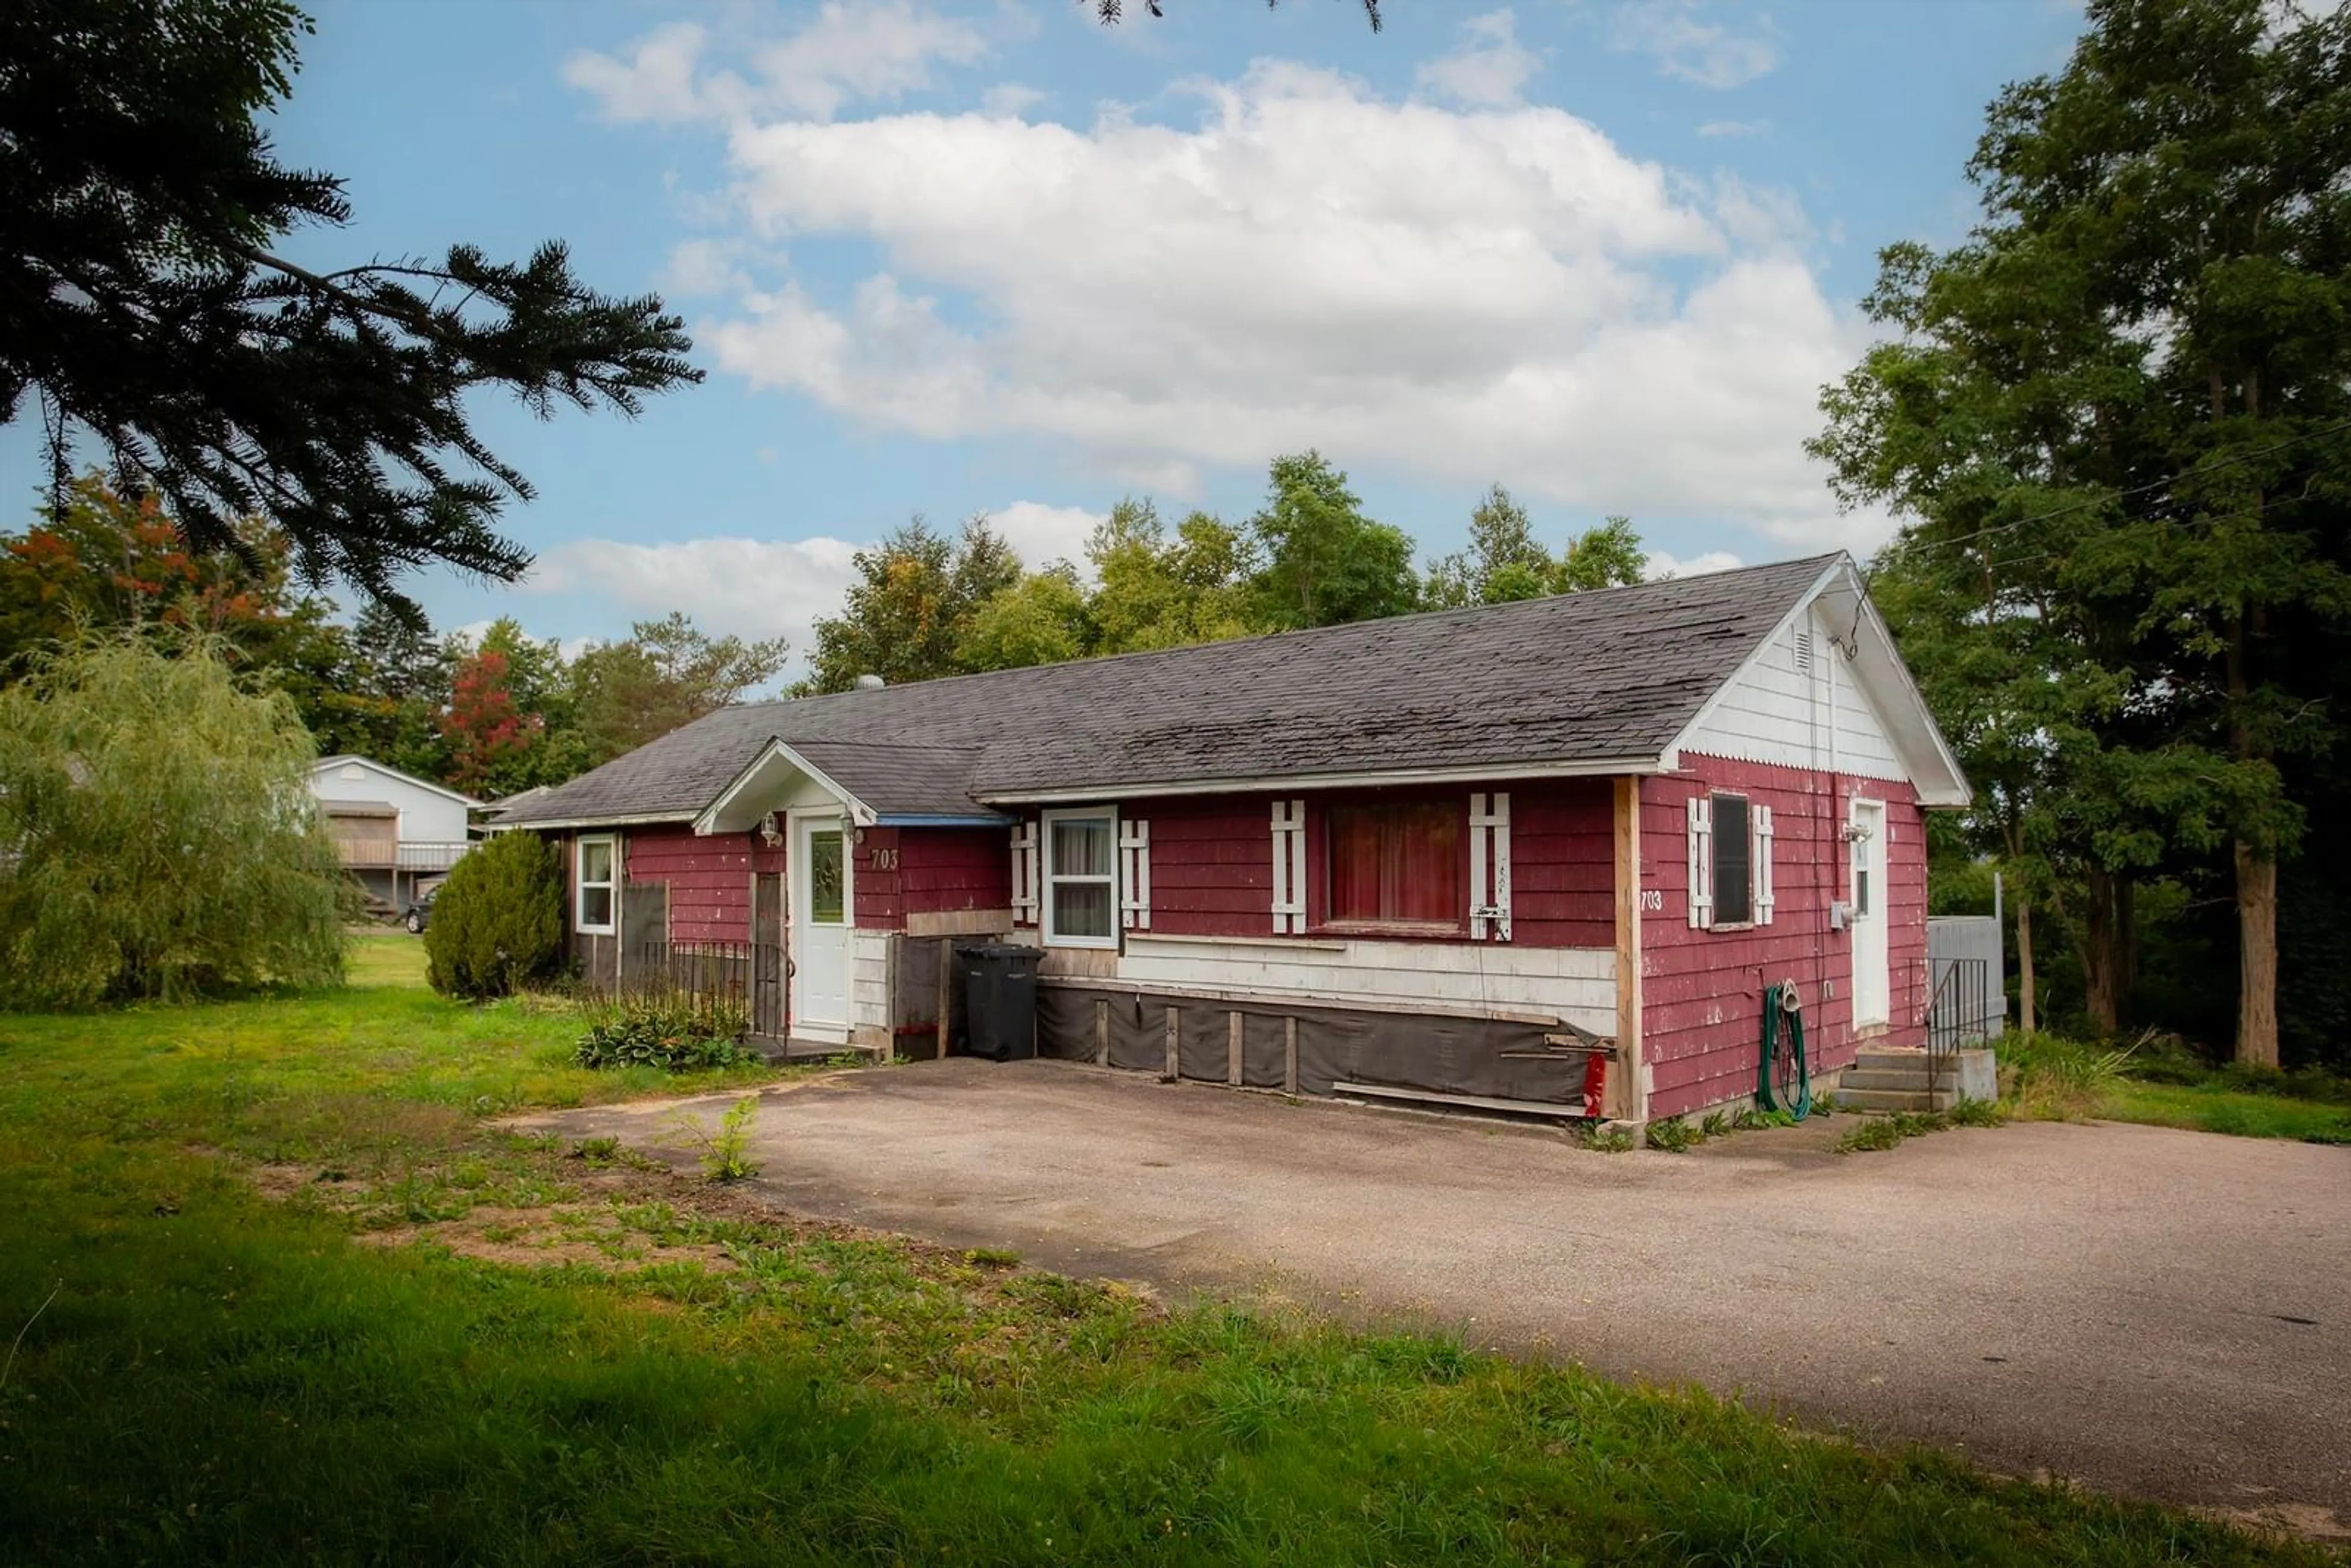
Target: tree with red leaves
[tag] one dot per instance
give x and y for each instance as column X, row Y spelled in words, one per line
column 490, row 737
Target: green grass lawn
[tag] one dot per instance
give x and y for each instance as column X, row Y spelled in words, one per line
column 2049, row 1077
column 288, row 1295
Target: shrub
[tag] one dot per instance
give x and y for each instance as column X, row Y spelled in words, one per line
column 676, row 1032
column 497, row 924
column 2060, row 1079
column 158, row 837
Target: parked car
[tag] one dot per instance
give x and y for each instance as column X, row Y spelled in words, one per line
column 419, row 912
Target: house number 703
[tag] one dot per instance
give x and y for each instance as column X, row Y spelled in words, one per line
column 886, row 860
column 1652, row 898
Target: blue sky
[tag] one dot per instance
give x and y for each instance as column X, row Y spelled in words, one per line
column 941, row 257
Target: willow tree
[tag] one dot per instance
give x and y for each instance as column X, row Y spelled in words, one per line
column 158, row 837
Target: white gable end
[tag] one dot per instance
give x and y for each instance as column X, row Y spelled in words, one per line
column 1827, row 690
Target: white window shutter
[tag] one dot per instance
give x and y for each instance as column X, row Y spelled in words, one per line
column 1701, row 861
column 1024, row 874
column 1763, row 865
column 1289, row 868
column 1489, row 866
column 1135, row 875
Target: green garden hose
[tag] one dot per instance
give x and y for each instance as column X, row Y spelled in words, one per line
column 1780, row 1001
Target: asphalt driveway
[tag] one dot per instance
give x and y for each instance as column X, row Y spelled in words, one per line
column 2150, row 1312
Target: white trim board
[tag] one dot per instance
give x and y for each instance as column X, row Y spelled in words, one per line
column 1769, row 712
column 1276, row 784
column 1577, row 984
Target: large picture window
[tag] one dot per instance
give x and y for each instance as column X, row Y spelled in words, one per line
column 1396, row 866
column 595, row 865
column 1082, row 879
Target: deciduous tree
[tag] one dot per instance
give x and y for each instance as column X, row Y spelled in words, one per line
column 1326, row 563
column 158, row 837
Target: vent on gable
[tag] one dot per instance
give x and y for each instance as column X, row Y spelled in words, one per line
column 1803, row 650
column 352, row 770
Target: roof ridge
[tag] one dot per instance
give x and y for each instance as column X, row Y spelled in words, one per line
column 1581, row 596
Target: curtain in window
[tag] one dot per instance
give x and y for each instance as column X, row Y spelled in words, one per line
column 1397, row 864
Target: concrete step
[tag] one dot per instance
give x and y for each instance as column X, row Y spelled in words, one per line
column 1890, row 1056
column 1895, row 1098
column 1909, row 1077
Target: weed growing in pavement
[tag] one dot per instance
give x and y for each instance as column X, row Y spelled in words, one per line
column 725, row 1152
column 1882, row 1131
column 1674, row 1135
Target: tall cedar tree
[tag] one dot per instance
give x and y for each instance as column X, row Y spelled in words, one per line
column 2157, row 312
column 144, row 302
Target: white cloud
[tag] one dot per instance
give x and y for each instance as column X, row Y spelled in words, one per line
column 1734, row 128
column 850, row 50
column 1663, row 565
column 1414, row 290
column 1490, row 69
column 761, row 588
column 1042, row 534
column 752, row 588
column 1010, row 100
column 1686, row 46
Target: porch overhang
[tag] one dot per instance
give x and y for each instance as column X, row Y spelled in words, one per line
column 760, row 786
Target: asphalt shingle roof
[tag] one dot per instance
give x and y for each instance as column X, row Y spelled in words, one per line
column 1581, row 677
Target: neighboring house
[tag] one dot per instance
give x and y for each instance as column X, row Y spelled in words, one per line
column 396, row 832
column 1428, row 852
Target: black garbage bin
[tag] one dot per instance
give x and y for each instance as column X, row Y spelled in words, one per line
column 999, row 998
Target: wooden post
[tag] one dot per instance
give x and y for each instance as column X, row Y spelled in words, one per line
column 947, row 990
column 1102, row 1033
column 1290, row 1056
column 1233, row 1050
column 1175, row 1063
column 1627, row 1097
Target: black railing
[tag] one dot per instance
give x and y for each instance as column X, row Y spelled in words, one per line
column 753, row 975
column 1959, row 1012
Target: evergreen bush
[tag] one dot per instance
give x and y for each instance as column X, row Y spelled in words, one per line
column 497, row 924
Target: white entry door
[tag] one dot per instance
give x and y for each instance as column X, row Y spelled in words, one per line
column 1872, row 985
column 821, row 915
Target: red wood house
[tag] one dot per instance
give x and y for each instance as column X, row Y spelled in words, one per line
column 1417, row 852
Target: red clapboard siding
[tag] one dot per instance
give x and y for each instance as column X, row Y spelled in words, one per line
column 1701, row 991
column 1212, row 862
column 709, row 878
column 1563, row 864
column 1211, row 865
column 942, row 868
column 874, row 879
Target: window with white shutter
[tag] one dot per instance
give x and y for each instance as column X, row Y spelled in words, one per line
column 1763, row 865
column 1489, row 866
column 1135, row 875
column 1024, row 874
column 1289, row 868
column 1701, row 861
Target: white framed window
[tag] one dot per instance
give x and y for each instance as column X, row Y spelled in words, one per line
column 1730, row 881
column 596, row 870
column 1080, row 878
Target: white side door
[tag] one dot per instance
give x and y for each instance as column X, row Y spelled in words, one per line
column 820, row 927
column 1871, row 984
